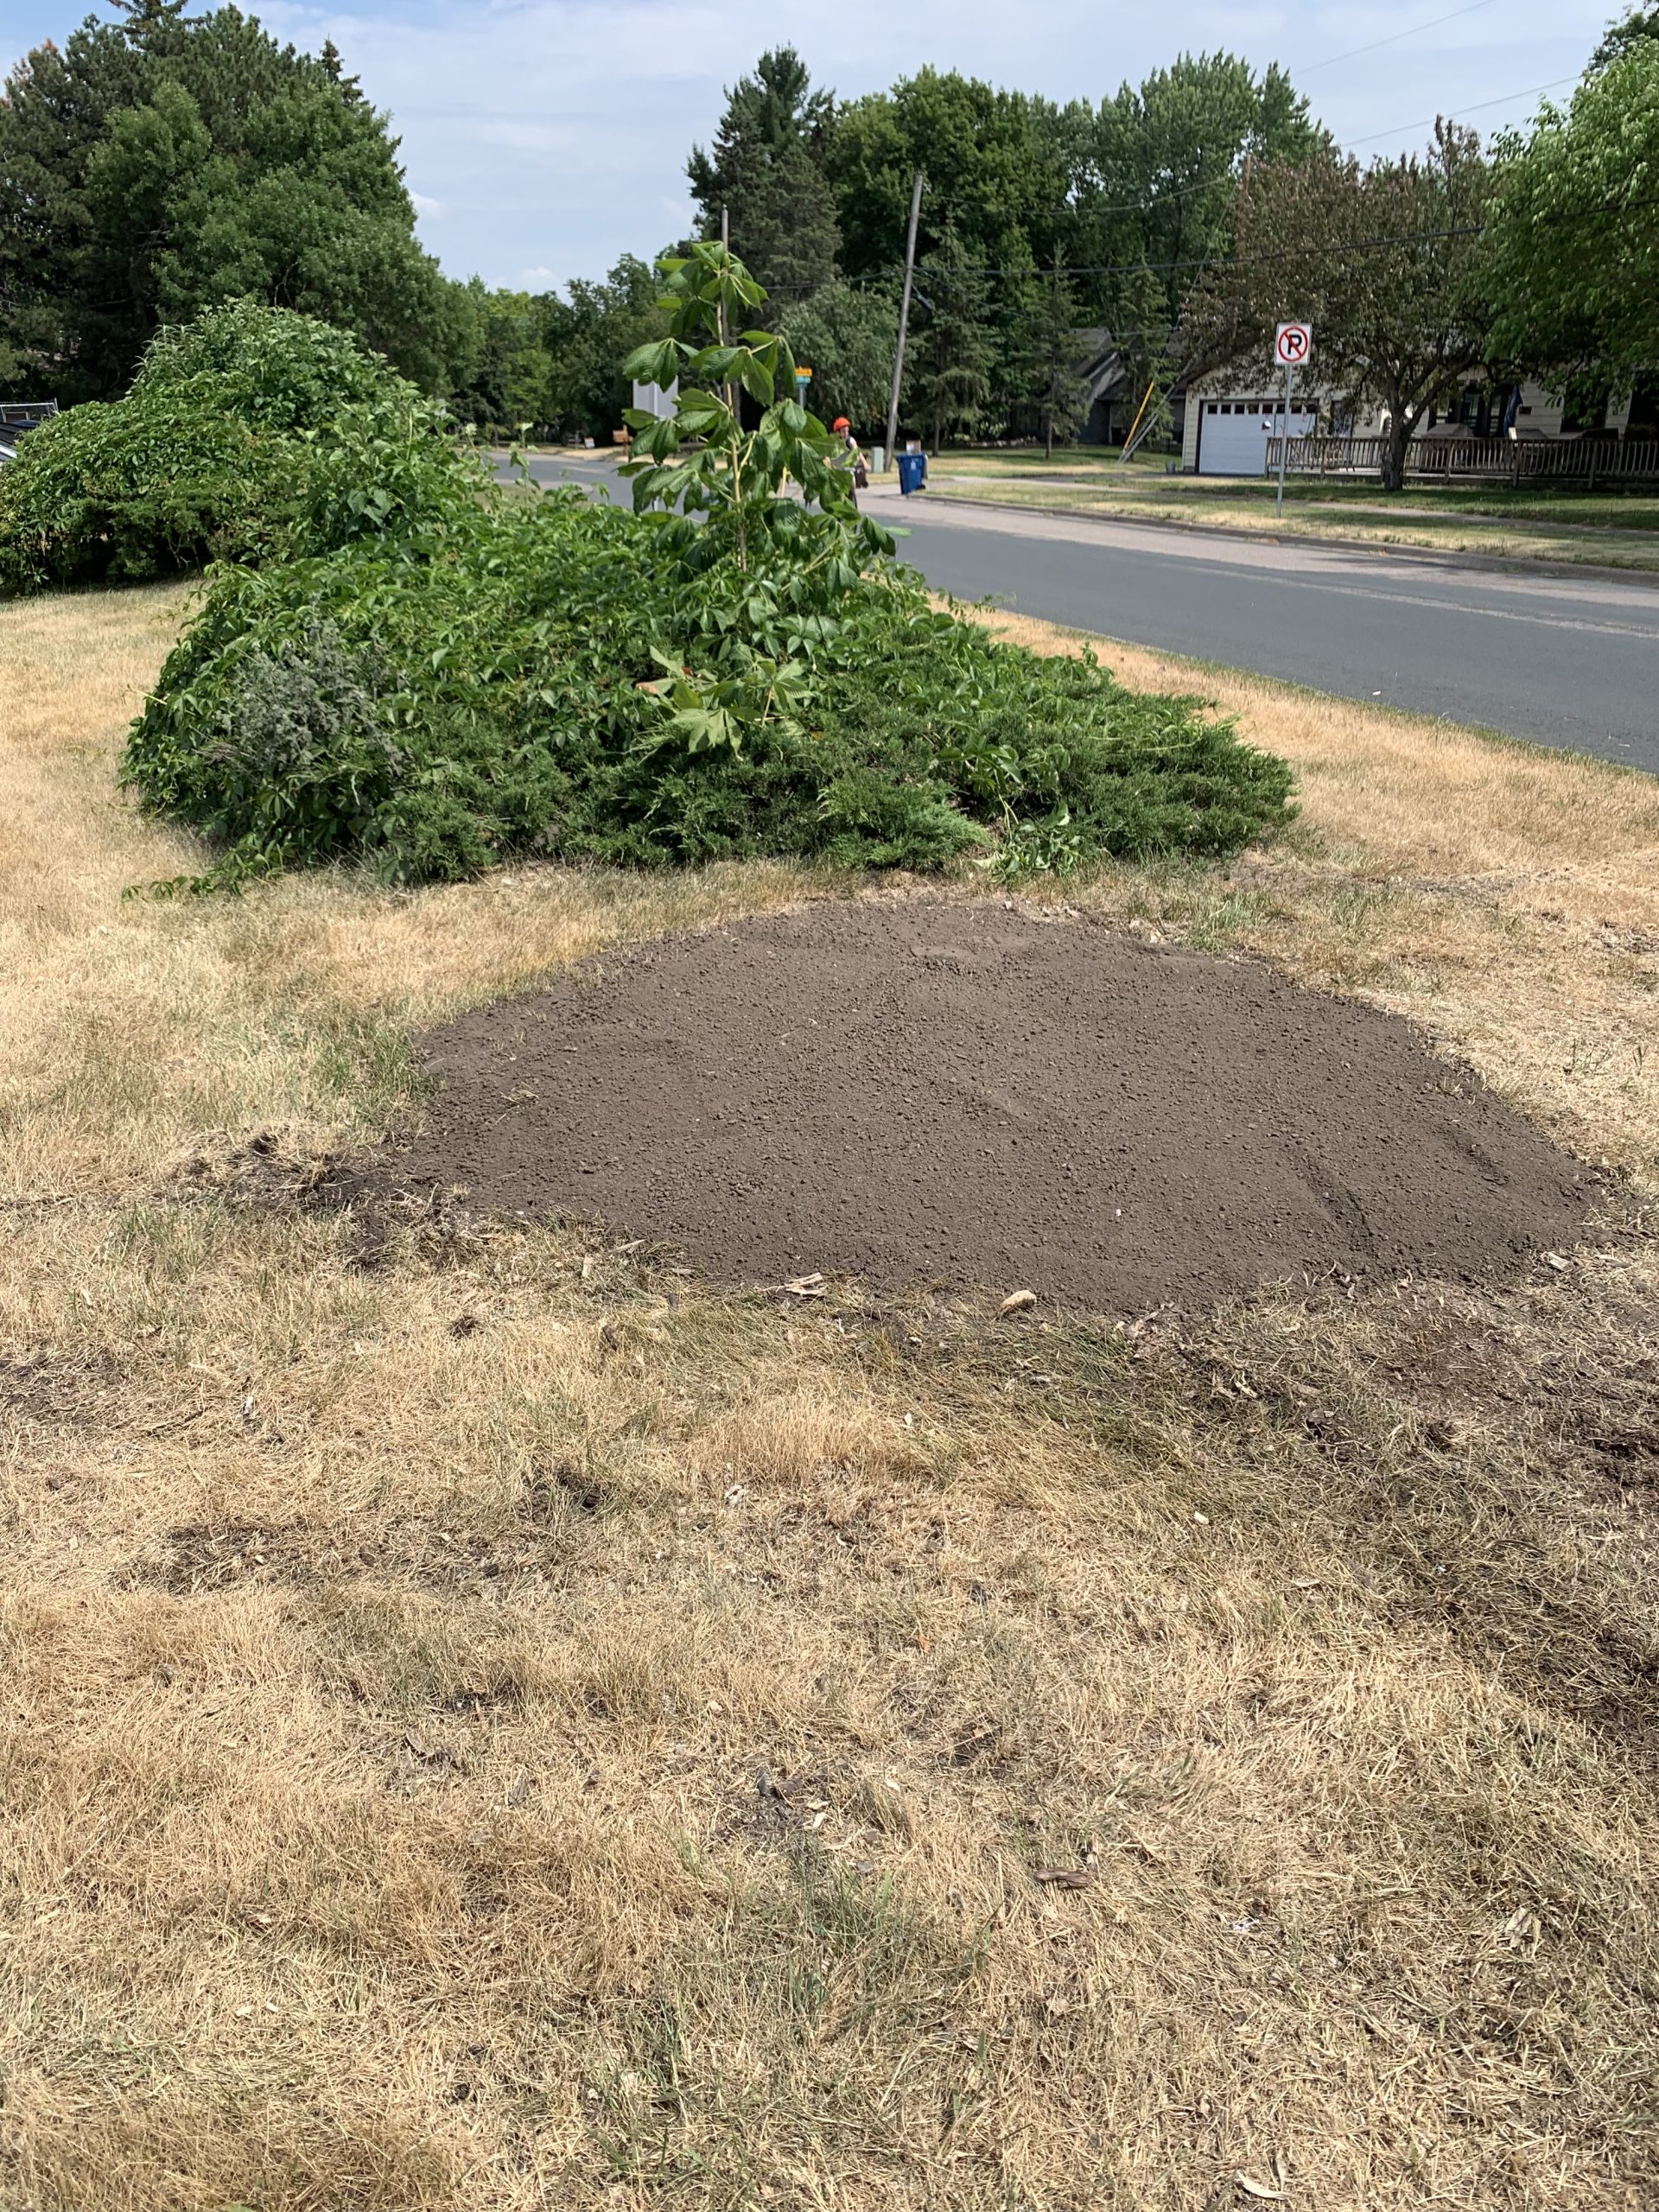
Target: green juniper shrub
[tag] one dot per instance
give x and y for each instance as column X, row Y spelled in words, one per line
column 738, row 667
column 248, row 435
column 305, row 754
column 501, row 696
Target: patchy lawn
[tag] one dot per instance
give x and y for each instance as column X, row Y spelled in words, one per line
column 1550, row 522
column 490, row 1723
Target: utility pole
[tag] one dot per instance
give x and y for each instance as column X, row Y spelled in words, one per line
column 904, row 323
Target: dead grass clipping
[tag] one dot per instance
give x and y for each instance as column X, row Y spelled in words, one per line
column 501, row 1727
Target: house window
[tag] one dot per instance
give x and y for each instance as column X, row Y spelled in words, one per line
column 1212, row 407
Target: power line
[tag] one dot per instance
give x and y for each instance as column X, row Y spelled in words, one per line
column 1474, row 107
column 1157, row 200
column 1616, row 206
column 1393, row 38
column 1211, row 260
column 1150, row 207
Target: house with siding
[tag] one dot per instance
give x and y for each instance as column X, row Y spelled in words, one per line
column 1229, row 422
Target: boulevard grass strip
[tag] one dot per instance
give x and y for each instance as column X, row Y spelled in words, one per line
column 1633, row 507
column 1608, row 533
column 491, row 1724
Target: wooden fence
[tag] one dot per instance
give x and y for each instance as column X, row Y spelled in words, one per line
column 1508, row 461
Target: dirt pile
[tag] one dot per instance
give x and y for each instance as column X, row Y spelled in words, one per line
column 959, row 1092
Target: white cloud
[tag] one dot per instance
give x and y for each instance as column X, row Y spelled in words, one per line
column 425, row 206
column 553, row 133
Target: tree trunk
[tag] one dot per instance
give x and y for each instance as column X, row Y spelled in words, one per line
column 1048, row 433
column 1394, row 451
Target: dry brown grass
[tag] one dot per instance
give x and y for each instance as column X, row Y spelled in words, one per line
column 1504, row 896
column 486, row 1733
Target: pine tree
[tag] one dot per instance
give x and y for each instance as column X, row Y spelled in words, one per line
column 784, row 227
column 1049, row 362
column 954, row 348
column 767, row 175
column 154, row 26
column 334, row 69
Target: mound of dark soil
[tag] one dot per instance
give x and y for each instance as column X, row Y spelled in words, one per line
column 957, row 1092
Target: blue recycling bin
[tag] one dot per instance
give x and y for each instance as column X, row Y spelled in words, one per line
column 913, row 472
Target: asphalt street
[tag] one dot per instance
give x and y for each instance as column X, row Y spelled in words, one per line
column 1570, row 661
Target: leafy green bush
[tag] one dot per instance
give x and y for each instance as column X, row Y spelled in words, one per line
column 248, row 433
column 505, row 696
column 736, row 668
column 112, row 490
column 270, row 369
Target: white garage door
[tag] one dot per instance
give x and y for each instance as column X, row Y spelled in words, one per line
column 1233, row 434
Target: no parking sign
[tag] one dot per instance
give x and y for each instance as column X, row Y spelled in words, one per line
column 1292, row 346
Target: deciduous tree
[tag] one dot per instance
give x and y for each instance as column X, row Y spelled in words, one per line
column 587, row 335
column 1639, row 27
column 847, row 333
column 1575, row 235
column 501, row 367
column 1388, row 262
column 998, row 166
column 1158, row 190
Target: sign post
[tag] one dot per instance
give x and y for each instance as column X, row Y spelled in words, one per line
column 1293, row 345
column 803, row 378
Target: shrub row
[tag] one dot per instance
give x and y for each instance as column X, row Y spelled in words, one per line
column 397, row 663
column 445, row 700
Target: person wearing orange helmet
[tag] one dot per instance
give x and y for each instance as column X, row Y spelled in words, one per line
column 844, row 430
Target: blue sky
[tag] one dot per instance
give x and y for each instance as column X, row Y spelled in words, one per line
column 544, row 137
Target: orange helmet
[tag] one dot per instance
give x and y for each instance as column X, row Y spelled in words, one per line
column 841, row 424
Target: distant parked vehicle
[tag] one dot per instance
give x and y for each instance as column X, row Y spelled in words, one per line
column 17, row 417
